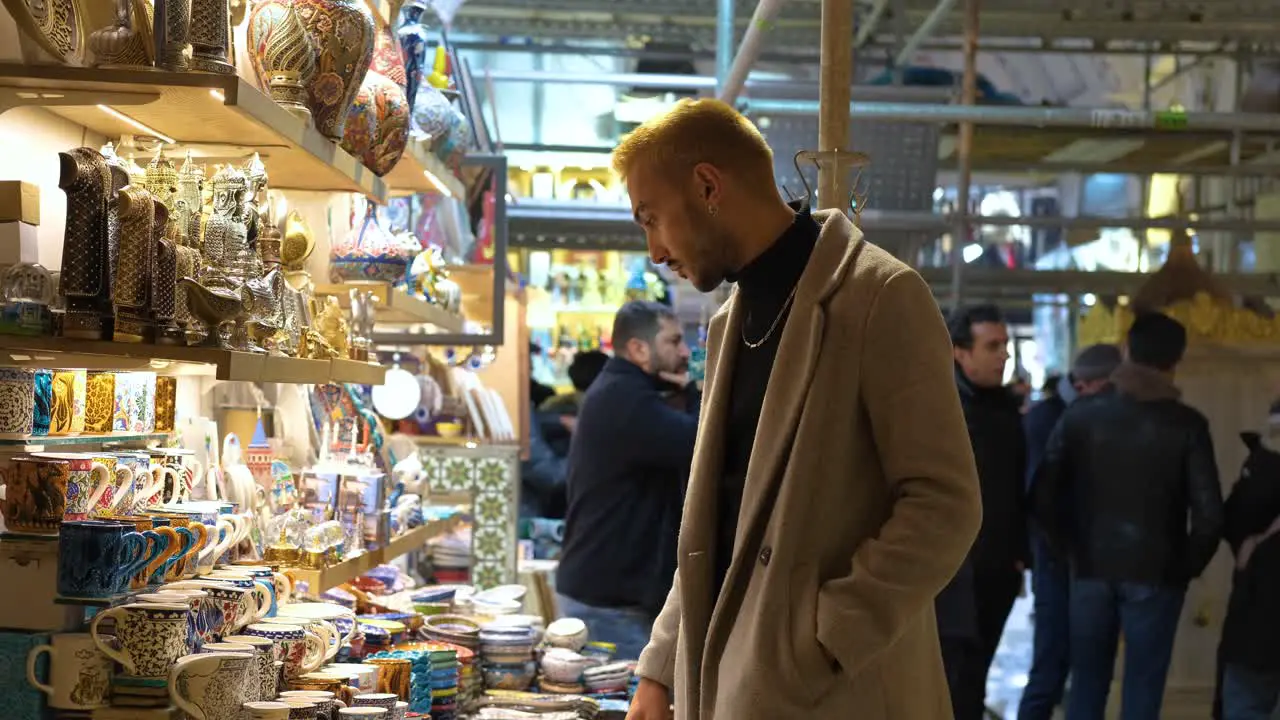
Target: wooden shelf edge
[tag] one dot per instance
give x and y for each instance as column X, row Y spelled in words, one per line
column 356, row 372
column 99, row 85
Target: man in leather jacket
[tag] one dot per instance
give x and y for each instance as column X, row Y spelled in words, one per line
column 1129, row 490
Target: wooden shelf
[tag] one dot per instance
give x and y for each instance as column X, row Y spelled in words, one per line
column 357, row 372
column 217, row 117
column 409, row 176
column 395, row 306
column 319, row 581
column 38, row 443
column 24, row 351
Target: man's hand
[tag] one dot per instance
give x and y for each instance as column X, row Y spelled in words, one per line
column 680, row 380
column 651, row 702
column 568, row 422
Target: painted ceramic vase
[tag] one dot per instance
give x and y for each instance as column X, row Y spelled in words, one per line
column 387, row 60
column 362, row 121
column 456, row 142
column 368, row 254
column 412, row 38
column 343, row 33
column 278, row 42
column 378, row 124
column 432, row 116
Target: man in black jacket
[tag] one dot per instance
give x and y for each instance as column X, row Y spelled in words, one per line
column 628, row 462
column 1133, row 468
column 972, row 609
column 1050, row 576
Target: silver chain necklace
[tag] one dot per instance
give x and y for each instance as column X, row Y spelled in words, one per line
column 769, row 333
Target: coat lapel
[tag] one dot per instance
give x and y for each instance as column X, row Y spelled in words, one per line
column 789, row 381
column 699, row 527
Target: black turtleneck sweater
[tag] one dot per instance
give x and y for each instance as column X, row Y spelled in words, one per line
column 764, row 291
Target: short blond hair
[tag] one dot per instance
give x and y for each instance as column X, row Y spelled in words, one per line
column 693, row 132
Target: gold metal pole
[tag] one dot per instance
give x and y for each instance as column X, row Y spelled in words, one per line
column 833, row 104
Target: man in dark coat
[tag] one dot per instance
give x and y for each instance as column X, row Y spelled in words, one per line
column 972, row 609
column 628, row 464
column 1128, row 489
column 1249, row 654
column 1050, row 576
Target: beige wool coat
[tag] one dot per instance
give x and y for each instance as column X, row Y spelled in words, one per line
column 861, row 502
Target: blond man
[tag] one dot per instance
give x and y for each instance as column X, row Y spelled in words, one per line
column 833, row 491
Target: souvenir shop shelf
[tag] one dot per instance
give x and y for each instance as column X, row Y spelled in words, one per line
column 395, row 306
column 38, row 443
column 319, row 581
column 17, row 350
column 214, row 116
column 419, row 171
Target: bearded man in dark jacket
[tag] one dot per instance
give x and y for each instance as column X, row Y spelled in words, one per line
column 972, row 609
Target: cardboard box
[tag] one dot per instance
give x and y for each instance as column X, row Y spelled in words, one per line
column 19, row 201
column 19, row 243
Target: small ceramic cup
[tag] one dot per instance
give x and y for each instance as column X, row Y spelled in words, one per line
column 265, row 652
column 151, row 636
column 326, row 703
column 266, row 710
column 363, row 713
column 79, row 674
column 386, row 701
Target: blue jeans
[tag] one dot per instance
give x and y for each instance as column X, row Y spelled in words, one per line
column 1051, row 653
column 1101, row 611
column 1250, row 694
column 626, row 627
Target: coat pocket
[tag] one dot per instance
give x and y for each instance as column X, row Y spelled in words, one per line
column 810, row 667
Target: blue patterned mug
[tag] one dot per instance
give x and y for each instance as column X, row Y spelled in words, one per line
column 96, row 558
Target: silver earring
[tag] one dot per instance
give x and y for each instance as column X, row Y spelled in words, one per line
column 712, row 210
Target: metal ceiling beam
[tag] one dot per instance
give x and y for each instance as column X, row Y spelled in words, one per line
column 704, row 82
column 871, row 52
column 1033, row 116
column 724, row 41
column 997, row 282
column 924, row 31
column 749, row 50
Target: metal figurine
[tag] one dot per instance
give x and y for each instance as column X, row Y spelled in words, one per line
column 171, row 29
column 210, row 36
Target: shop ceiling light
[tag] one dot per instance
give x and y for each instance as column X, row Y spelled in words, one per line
column 439, row 184
column 139, row 126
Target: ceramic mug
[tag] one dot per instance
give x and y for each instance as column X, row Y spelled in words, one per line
column 188, row 546
column 35, row 495
column 300, row 650
column 42, row 407
column 210, row 686
column 364, row 713
column 328, row 634
column 184, row 566
column 386, row 701
column 97, row 558
column 66, row 415
column 100, row 401
column 146, row 485
column 394, row 675
column 302, row 709
column 152, row 636
column 326, row 703
column 79, row 674
column 209, row 620
column 106, row 499
column 282, row 585
column 261, row 589
column 240, row 607
column 264, row 652
column 266, row 710
column 172, row 545
column 17, row 401
column 86, row 479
